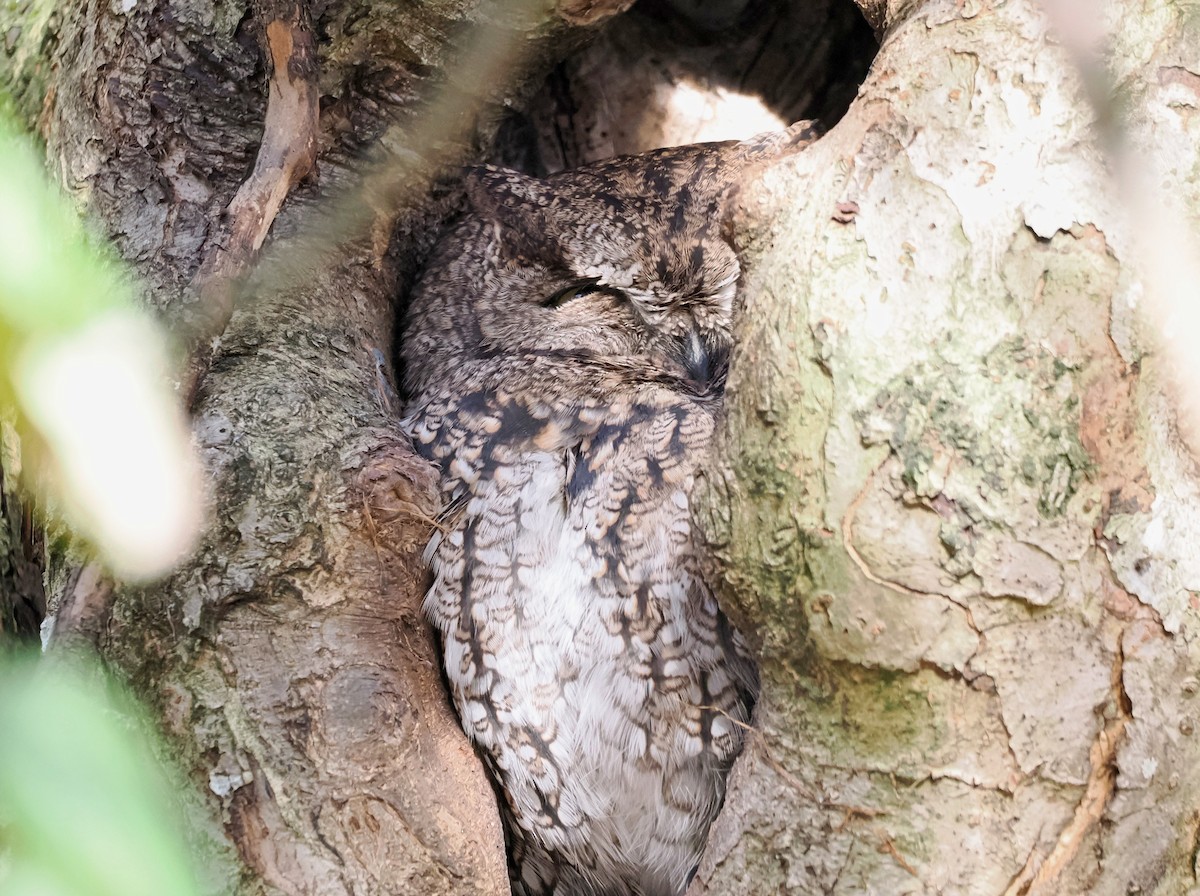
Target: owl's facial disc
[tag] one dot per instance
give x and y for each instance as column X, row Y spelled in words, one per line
column 692, row 331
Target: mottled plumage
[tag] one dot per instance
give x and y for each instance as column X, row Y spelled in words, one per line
column 565, row 361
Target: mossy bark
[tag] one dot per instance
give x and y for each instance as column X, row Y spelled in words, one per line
column 288, row 658
column 952, row 506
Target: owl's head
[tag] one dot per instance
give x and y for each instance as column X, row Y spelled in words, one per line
column 625, row 260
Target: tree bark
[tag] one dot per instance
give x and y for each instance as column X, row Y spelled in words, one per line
column 954, row 508
column 22, row 594
column 949, row 500
column 288, row 658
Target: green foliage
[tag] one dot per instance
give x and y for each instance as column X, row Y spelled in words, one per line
column 51, row 276
column 83, row 374
column 84, row 805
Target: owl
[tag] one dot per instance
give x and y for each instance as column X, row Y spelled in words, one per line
column 565, row 355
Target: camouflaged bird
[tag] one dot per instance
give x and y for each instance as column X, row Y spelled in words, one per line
column 565, row 359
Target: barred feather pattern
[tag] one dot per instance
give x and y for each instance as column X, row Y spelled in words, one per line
column 565, row 361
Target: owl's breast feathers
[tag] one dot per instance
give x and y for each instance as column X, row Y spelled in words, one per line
column 474, row 422
column 587, row 656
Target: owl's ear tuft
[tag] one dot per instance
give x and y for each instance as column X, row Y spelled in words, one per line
column 767, row 146
column 519, row 204
column 499, row 193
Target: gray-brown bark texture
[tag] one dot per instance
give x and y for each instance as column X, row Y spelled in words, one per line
column 288, row 658
column 22, row 596
column 953, row 504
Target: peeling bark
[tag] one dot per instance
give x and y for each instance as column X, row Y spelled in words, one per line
column 286, row 154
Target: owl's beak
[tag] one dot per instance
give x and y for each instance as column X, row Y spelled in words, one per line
column 704, row 367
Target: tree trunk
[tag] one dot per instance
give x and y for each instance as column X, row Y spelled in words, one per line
column 22, row 594
column 288, row 658
column 950, row 504
column 953, row 507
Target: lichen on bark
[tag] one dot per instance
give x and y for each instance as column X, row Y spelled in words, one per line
column 951, row 504
column 940, row 506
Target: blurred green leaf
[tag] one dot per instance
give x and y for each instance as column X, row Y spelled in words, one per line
column 51, row 276
column 84, row 806
column 86, row 373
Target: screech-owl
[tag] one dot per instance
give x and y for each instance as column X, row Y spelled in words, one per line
column 565, row 357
